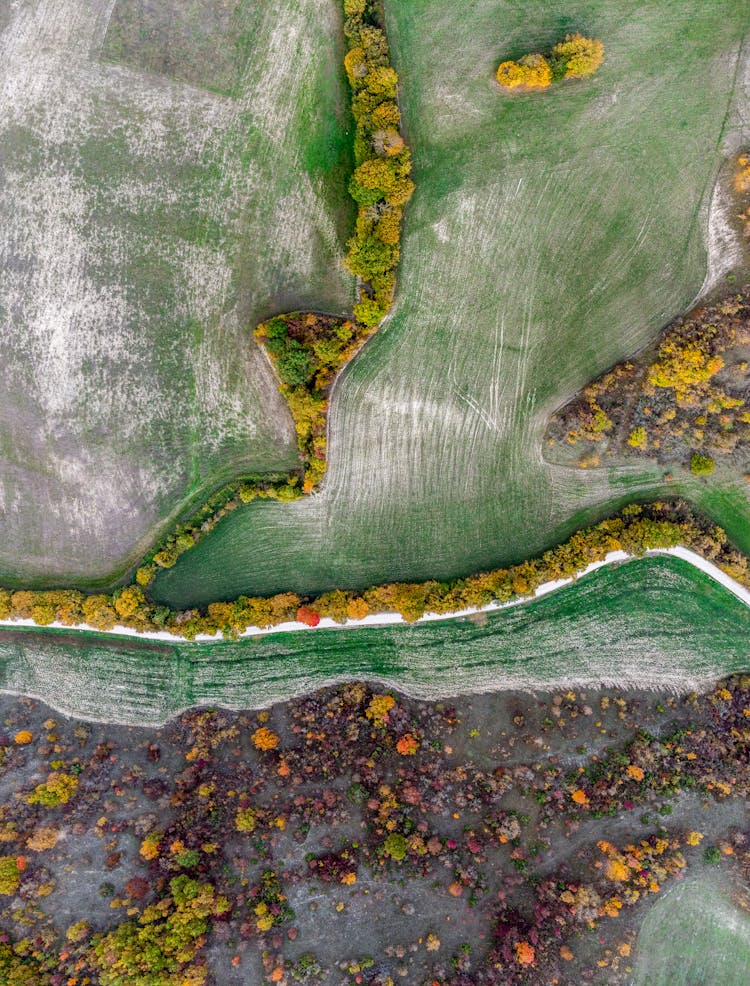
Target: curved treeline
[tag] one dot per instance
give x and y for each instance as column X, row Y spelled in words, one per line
column 634, row 530
column 308, row 349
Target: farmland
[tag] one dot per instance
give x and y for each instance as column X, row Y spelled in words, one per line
column 159, row 197
column 356, row 835
column 548, row 238
column 694, row 936
column 657, row 622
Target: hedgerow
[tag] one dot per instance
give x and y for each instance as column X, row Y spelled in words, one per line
column 634, row 530
column 308, row 349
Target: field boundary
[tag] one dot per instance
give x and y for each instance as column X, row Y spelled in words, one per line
column 616, row 557
column 308, row 350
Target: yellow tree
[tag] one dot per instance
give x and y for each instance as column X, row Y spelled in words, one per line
column 581, row 56
column 530, row 72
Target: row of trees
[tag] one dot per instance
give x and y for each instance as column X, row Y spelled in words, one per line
column 577, row 57
column 309, row 349
column 635, row 529
column 381, row 184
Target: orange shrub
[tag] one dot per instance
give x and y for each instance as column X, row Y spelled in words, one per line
column 525, row 953
column 265, row 739
column 407, row 745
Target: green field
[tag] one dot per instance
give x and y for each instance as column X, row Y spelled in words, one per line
column 655, row 623
column 168, row 177
column 551, row 235
column 694, row 936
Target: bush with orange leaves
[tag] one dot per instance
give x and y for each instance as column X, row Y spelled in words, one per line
column 407, row 745
column 265, row 739
column 525, row 953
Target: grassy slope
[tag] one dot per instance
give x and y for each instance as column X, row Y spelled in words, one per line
column 551, row 235
column 654, row 622
column 694, row 936
column 145, row 227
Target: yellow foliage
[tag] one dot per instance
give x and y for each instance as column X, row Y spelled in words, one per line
column 379, row 707
column 355, row 64
column 245, row 819
column 265, row 739
column 150, row 845
column 530, row 72
column 388, row 228
column 582, row 55
column 264, row 922
column 58, row 789
column 129, row 600
column 683, row 368
column 357, row 608
column 10, row 875
column 638, row 438
column 42, row 838
column 98, row 612
column 617, row 871
column 742, row 175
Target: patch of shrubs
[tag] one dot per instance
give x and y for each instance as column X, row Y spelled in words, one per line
column 687, row 401
column 308, row 350
column 577, row 57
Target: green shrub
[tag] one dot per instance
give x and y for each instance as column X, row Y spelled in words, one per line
column 395, row 846
column 10, row 875
column 712, row 854
column 701, row 465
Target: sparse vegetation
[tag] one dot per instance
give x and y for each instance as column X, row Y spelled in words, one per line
column 553, row 892
column 687, row 402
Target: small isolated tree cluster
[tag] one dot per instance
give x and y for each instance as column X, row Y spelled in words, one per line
column 308, row 350
column 577, row 57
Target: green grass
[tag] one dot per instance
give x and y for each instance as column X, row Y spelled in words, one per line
column 656, row 622
column 143, row 236
column 551, row 235
column 694, row 936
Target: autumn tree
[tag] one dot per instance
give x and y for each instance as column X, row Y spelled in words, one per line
column 530, row 72
column 577, row 57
